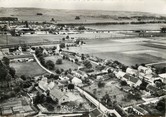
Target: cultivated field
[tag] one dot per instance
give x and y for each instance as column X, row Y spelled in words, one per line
column 128, row 51
column 28, row 38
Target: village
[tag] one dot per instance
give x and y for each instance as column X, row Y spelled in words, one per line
column 80, row 84
column 82, row 63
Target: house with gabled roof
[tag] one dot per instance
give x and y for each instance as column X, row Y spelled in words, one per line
column 119, row 74
column 59, row 94
column 131, row 80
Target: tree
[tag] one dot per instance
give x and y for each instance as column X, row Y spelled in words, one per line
column 77, row 18
column 12, row 71
column 123, row 83
column 23, row 77
column 59, row 61
column 158, row 84
column 26, row 24
column 161, row 105
column 101, row 84
column 50, row 65
column 71, row 86
column 6, row 61
column 81, row 28
column 58, row 71
column 67, row 37
column 143, row 84
column 52, row 19
column 87, row 64
column 62, row 45
column 3, row 72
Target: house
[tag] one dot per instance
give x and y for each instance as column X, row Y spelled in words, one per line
column 163, row 77
column 131, row 71
column 5, row 51
column 145, row 70
column 44, row 85
column 131, row 80
column 155, row 91
column 119, row 74
column 76, row 81
column 79, row 73
column 59, row 94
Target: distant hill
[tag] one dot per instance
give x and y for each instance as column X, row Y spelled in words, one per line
column 30, row 14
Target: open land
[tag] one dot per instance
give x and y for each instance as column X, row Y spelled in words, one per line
column 128, row 51
column 28, row 69
column 65, row 63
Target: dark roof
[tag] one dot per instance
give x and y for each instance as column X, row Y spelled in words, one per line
column 131, row 78
column 127, row 76
column 152, row 88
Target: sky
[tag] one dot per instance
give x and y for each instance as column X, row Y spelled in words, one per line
column 153, row 6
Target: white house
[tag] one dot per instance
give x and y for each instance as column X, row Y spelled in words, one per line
column 131, row 71
column 163, row 77
column 145, row 70
column 120, row 74
column 76, row 81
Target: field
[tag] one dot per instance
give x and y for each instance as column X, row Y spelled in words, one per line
column 128, row 51
column 29, row 69
column 27, row 38
column 65, row 64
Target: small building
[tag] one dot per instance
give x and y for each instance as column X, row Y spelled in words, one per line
column 120, row 74
column 76, row 81
column 163, row 77
column 80, row 73
column 5, row 51
column 145, row 70
column 131, row 71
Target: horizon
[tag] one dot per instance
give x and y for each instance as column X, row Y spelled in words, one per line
column 148, row 6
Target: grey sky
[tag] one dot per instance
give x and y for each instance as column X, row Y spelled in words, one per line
column 154, row 6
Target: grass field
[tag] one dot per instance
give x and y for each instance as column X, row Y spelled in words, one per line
column 29, row 69
column 65, row 64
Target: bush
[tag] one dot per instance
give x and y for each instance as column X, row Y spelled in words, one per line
column 81, row 28
column 50, row 65
column 59, row 61
column 101, row 84
column 77, row 18
column 123, row 83
column 62, row 45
